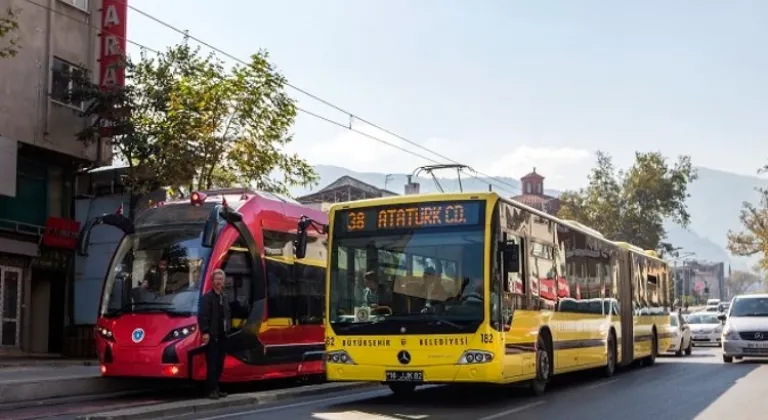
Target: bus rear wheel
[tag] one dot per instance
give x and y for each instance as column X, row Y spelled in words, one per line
column 402, row 389
column 543, row 367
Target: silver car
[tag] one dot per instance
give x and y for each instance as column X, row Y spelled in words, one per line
column 746, row 328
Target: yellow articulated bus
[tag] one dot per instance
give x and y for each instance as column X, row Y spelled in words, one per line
column 475, row 288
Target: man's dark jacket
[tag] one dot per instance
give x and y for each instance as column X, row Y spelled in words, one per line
column 214, row 317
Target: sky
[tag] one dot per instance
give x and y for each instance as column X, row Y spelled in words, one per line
column 503, row 85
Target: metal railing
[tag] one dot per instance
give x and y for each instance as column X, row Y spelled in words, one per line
column 21, row 228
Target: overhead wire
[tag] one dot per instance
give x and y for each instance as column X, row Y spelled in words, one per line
column 351, row 115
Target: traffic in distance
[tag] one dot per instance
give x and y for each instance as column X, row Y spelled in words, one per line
column 147, row 324
column 475, row 288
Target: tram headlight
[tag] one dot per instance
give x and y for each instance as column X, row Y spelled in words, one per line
column 105, row 333
column 180, row 333
column 340, row 357
column 474, row 357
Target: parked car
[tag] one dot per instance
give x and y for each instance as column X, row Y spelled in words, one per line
column 681, row 333
column 706, row 328
column 746, row 328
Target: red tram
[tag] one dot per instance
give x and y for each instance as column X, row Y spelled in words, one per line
column 147, row 324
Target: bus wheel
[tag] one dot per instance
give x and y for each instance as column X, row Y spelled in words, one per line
column 402, row 389
column 543, row 367
column 610, row 365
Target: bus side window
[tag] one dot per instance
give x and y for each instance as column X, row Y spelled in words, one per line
column 310, row 288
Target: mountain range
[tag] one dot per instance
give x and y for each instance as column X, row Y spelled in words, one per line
column 715, row 202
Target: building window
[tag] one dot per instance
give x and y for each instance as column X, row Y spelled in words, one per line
column 64, row 75
column 80, row 4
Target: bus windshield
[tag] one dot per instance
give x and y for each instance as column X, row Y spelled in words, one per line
column 423, row 279
column 156, row 270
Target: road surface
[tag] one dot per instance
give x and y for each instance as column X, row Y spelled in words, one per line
column 697, row 387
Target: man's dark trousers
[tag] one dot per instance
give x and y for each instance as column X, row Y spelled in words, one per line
column 214, row 358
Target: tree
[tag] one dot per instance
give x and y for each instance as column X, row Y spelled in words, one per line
column 631, row 206
column 185, row 122
column 740, row 281
column 9, row 24
column 753, row 239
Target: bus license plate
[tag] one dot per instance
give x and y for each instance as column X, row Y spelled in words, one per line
column 404, row 376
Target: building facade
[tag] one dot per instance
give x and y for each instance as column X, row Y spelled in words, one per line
column 39, row 159
column 343, row 189
column 533, row 194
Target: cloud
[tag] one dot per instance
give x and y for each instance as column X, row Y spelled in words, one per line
column 358, row 151
column 361, row 151
column 564, row 168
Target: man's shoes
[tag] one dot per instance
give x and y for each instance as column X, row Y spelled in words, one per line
column 214, row 395
column 222, row 394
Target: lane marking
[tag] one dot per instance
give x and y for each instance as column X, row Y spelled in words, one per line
column 513, row 411
column 599, row 384
column 359, row 395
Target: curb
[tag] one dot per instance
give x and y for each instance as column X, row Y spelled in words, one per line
column 189, row 407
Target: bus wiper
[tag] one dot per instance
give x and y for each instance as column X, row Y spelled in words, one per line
column 349, row 326
column 432, row 318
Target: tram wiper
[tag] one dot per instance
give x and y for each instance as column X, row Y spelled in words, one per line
column 131, row 307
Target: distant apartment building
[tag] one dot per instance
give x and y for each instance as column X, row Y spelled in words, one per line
column 40, row 157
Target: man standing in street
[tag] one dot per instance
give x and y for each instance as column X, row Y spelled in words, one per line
column 214, row 319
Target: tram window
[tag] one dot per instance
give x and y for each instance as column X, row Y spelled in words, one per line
column 279, row 296
column 237, row 267
column 278, row 243
column 310, row 294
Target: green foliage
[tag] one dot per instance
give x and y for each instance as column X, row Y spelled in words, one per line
column 740, row 281
column 631, row 206
column 184, row 121
column 9, row 24
column 753, row 239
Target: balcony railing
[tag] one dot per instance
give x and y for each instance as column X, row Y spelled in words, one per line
column 21, row 228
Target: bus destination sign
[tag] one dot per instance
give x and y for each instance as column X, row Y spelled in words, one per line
column 415, row 216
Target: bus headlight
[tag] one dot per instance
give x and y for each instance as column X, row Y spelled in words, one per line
column 339, row 357
column 105, row 333
column 180, row 333
column 473, row 357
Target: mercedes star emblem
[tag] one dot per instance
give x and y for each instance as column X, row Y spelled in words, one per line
column 404, row 357
column 758, row 336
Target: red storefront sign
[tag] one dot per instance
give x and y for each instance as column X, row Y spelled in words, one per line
column 61, row 233
column 113, row 43
column 114, row 14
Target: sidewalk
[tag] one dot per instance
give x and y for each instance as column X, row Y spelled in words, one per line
column 27, row 381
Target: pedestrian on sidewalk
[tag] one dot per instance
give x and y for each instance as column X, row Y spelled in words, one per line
column 214, row 321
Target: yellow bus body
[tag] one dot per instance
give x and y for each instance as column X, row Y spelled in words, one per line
column 577, row 340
